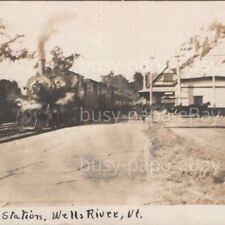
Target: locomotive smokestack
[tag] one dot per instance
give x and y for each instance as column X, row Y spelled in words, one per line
column 41, row 55
column 41, row 66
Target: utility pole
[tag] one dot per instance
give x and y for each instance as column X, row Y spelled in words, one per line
column 214, row 81
column 144, row 78
column 214, row 90
column 179, row 80
column 151, row 90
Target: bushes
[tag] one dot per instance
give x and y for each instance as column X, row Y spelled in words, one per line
column 9, row 92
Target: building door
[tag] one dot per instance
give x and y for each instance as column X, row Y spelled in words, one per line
column 198, row 100
column 158, row 98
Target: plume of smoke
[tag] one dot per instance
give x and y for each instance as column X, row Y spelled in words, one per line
column 49, row 28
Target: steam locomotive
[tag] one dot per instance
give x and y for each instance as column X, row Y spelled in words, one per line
column 53, row 100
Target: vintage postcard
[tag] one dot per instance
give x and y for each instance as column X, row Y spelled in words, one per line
column 112, row 112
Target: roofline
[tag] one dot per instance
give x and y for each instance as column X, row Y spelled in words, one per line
column 202, row 78
column 74, row 73
column 160, row 74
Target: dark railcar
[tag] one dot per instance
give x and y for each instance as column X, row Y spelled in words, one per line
column 56, row 101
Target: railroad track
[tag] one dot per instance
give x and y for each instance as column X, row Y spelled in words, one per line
column 8, row 126
column 10, row 132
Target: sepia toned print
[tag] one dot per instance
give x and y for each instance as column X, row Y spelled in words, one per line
column 106, row 103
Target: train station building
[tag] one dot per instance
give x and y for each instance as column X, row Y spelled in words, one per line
column 194, row 85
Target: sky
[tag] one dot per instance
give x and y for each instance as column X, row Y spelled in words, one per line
column 121, row 36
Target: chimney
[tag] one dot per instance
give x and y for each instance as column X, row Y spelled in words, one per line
column 41, row 66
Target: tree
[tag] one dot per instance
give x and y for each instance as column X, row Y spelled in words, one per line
column 108, row 79
column 6, row 51
column 117, row 81
column 138, row 81
column 205, row 47
column 68, row 85
column 60, row 63
column 9, row 92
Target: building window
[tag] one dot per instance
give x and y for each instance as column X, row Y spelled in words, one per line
column 168, row 77
column 198, row 100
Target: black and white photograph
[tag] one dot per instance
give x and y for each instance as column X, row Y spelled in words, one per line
column 112, row 103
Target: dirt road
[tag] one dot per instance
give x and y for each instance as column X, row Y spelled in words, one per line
column 84, row 164
column 124, row 163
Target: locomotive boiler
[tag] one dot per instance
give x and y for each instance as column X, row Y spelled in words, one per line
column 49, row 96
